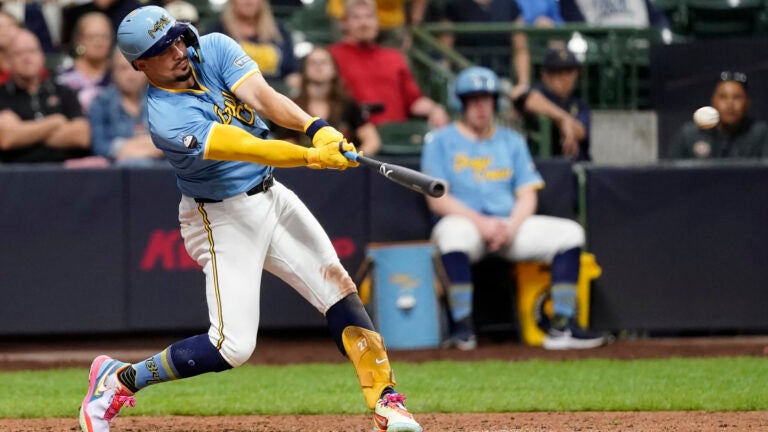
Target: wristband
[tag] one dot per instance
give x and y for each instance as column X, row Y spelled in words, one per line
column 315, row 125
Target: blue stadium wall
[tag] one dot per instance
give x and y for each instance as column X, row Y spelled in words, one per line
column 682, row 247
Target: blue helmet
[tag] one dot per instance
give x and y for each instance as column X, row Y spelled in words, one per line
column 476, row 80
column 149, row 30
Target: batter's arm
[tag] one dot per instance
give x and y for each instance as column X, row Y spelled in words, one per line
column 227, row 142
column 259, row 95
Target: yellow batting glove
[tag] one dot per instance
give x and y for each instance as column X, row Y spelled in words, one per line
column 329, row 156
column 321, row 132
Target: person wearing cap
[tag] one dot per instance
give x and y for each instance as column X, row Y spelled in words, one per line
column 737, row 135
column 554, row 98
column 207, row 103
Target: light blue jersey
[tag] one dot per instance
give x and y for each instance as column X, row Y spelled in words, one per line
column 485, row 174
column 180, row 121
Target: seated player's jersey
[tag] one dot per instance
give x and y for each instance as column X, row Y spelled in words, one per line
column 180, row 121
column 484, row 174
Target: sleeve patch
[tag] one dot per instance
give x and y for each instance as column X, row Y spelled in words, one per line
column 241, row 61
column 189, row 141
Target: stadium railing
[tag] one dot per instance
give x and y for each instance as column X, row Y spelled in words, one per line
column 615, row 61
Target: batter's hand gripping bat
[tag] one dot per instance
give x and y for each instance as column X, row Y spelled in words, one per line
column 401, row 175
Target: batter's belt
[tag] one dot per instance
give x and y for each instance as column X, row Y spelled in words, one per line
column 264, row 186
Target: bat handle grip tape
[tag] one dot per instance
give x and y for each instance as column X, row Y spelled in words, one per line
column 350, row 155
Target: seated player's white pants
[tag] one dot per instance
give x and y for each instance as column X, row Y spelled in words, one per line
column 235, row 240
column 539, row 238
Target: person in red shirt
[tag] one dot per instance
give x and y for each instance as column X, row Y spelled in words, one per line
column 377, row 75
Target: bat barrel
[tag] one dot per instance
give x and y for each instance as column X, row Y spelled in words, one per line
column 403, row 176
column 436, row 189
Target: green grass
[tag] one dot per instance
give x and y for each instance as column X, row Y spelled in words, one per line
column 712, row 384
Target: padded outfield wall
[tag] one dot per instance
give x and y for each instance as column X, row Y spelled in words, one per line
column 682, row 247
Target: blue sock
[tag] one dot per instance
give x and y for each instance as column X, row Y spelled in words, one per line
column 187, row 358
column 457, row 267
column 565, row 274
column 348, row 311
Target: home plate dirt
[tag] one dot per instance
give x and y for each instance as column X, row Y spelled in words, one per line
column 279, row 349
column 508, row 422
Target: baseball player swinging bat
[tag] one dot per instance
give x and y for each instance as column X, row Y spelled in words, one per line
column 401, row 175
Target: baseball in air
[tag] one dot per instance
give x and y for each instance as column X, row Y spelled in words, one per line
column 706, row 117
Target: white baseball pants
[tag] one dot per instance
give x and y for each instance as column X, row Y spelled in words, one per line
column 539, row 238
column 235, row 240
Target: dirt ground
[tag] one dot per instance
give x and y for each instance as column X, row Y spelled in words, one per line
column 285, row 349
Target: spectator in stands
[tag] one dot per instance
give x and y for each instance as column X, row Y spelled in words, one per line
column 118, row 118
column 489, row 209
column 39, row 121
column 554, row 98
column 614, row 13
column 89, row 74
column 8, row 28
column 31, row 15
column 252, row 24
column 496, row 11
column 541, row 13
column 393, row 16
column 323, row 95
column 377, row 75
column 116, row 10
column 183, row 11
column 736, row 136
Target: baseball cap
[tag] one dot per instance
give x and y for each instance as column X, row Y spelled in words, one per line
column 560, row 58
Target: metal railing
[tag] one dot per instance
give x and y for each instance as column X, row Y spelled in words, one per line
column 615, row 60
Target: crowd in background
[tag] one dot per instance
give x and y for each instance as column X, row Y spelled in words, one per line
column 67, row 96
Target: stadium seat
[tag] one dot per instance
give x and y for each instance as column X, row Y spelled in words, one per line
column 717, row 18
column 402, row 138
column 675, row 12
column 313, row 23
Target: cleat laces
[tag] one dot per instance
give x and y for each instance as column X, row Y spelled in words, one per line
column 118, row 401
column 394, row 398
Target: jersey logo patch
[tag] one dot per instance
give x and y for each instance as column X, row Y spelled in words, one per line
column 189, row 141
column 234, row 109
column 159, row 25
column 481, row 168
column 241, row 61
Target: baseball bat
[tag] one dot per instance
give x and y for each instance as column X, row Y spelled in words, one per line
column 401, row 175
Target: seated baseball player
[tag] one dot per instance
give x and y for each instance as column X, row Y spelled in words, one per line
column 489, row 209
column 207, row 101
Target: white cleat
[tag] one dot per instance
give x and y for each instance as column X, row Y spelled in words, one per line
column 105, row 395
column 391, row 415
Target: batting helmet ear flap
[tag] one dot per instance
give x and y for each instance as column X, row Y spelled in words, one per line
column 191, row 38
